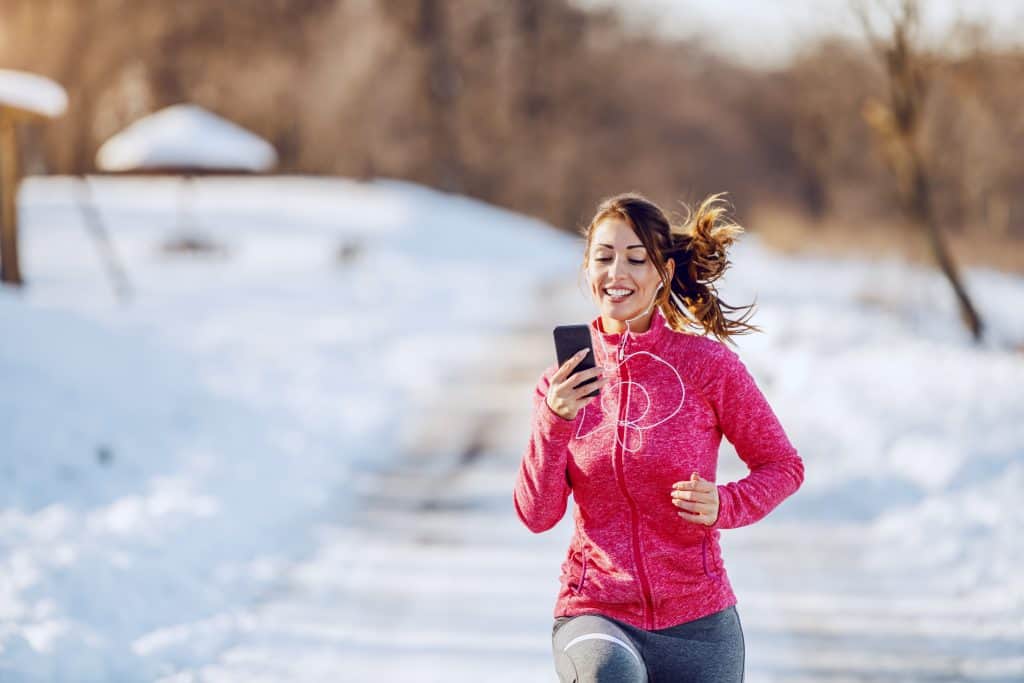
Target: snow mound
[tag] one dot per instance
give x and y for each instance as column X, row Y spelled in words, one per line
column 32, row 93
column 186, row 136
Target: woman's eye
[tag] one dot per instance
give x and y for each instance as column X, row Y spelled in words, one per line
column 605, row 259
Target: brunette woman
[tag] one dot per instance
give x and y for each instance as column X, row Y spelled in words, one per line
column 644, row 594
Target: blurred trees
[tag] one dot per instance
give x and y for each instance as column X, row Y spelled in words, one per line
column 897, row 124
column 536, row 105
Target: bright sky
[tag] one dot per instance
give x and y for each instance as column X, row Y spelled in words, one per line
column 768, row 32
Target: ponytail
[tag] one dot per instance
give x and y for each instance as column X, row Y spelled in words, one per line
column 698, row 247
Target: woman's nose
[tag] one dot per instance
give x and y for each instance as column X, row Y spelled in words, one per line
column 614, row 268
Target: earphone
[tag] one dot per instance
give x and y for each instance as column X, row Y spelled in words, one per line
column 649, row 306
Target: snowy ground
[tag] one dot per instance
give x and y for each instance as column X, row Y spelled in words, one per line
column 291, row 458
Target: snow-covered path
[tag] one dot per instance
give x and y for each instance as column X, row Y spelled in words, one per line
column 169, row 460
column 438, row 581
column 295, row 461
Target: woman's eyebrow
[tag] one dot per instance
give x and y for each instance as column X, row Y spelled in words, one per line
column 611, row 246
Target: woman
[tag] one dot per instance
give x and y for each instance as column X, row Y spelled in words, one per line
column 644, row 595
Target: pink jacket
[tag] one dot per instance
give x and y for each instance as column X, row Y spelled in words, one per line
column 670, row 398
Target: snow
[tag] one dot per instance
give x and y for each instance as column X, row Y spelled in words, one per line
column 185, row 136
column 246, row 473
column 32, row 93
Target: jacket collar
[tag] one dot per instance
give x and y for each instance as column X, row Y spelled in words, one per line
column 633, row 342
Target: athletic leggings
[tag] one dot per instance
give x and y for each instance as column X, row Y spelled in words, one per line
column 597, row 649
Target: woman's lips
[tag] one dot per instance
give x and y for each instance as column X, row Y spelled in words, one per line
column 621, row 294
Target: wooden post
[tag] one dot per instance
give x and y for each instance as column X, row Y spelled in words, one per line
column 10, row 272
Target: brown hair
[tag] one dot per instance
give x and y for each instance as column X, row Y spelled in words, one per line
column 698, row 246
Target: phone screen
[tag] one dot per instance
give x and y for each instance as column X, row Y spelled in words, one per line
column 569, row 340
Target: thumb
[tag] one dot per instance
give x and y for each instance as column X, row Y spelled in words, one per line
column 695, row 476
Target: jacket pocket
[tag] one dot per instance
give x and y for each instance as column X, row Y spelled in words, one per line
column 711, row 568
column 583, row 573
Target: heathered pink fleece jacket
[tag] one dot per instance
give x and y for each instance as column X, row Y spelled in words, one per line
column 670, row 398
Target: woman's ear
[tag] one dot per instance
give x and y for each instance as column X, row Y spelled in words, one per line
column 670, row 265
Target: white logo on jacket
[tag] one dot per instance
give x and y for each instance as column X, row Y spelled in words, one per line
column 646, row 414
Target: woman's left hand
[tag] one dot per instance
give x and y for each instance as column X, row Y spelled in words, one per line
column 697, row 499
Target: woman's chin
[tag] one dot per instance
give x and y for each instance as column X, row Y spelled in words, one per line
column 618, row 313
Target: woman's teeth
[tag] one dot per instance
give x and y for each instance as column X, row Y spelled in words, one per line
column 618, row 294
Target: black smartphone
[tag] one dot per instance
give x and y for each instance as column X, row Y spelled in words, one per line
column 571, row 339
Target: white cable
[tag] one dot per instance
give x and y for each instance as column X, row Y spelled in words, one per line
column 621, row 359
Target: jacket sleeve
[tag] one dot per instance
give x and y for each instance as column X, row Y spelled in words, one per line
column 750, row 424
column 542, row 489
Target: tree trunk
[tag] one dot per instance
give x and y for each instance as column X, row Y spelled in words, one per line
column 442, row 84
column 920, row 208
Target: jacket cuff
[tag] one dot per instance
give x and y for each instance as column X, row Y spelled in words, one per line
column 553, row 426
column 723, row 508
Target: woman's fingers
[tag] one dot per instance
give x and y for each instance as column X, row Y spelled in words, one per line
column 583, row 376
column 700, row 485
column 566, row 393
column 570, row 386
column 697, row 500
column 584, row 389
column 568, row 366
column 699, row 496
column 693, row 507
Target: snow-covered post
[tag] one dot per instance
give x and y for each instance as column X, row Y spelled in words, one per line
column 24, row 97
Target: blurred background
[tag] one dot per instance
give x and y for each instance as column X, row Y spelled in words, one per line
column 280, row 276
column 544, row 107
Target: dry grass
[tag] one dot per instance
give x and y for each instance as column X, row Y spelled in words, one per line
column 793, row 232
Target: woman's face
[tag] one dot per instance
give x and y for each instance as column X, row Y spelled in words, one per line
column 623, row 280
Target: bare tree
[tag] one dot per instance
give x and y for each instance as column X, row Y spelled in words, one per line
column 426, row 25
column 897, row 125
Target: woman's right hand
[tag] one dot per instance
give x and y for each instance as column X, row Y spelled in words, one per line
column 562, row 398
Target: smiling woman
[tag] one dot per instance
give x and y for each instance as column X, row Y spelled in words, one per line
column 631, row 252
column 644, row 592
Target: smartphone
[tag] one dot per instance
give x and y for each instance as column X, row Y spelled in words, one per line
column 571, row 339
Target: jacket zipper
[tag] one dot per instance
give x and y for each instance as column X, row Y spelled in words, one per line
column 638, row 562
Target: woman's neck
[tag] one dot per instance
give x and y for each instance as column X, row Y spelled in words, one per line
column 638, row 326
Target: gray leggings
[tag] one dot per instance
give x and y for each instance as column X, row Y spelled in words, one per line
column 597, row 649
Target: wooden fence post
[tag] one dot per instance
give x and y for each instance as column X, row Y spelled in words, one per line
column 11, row 270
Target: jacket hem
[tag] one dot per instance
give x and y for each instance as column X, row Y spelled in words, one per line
column 661, row 619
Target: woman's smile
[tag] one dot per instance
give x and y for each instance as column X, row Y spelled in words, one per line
column 623, row 278
column 618, row 294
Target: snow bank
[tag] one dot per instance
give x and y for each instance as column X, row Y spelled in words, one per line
column 164, row 462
